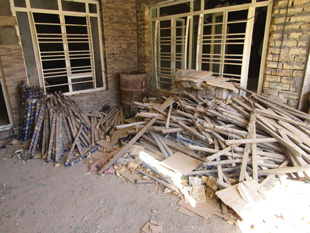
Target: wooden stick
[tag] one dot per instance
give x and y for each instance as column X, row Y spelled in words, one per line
column 243, row 171
column 268, row 178
column 76, row 140
column 251, row 140
column 168, row 117
column 127, row 146
column 284, row 170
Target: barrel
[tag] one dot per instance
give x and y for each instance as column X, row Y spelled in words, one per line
column 133, row 88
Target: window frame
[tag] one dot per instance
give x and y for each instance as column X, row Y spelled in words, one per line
column 62, row 13
column 251, row 7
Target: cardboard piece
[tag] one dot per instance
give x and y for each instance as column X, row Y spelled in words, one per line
column 99, row 155
column 104, row 144
column 132, row 177
column 185, row 211
column 199, row 194
column 152, row 227
column 181, row 162
column 242, row 197
column 194, row 181
column 120, row 133
column 205, row 210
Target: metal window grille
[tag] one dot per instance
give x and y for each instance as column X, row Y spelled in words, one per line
column 211, row 43
column 64, row 44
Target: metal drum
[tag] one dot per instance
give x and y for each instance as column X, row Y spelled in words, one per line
column 133, row 88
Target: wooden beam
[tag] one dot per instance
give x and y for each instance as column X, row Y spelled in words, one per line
column 127, row 146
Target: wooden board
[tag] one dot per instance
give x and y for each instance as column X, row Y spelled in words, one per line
column 241, row 197
column 132, row 177
column 181, row 162
column 204, row 210
column 185, row 211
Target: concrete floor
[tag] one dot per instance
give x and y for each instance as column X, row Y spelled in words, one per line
column 37, row 197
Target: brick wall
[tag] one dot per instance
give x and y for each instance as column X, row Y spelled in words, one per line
column 120, row 45
column 145, row 35
column 120, row 42
column 287, row 59
column 12, row 62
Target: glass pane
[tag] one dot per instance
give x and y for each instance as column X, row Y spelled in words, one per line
column 210, row 4
column 154, row 13
column 20, row 3
column 175, row 9
column 82, row 86
column 92, row 8
column 197, row 5
column 40, row 4
column 73, row 6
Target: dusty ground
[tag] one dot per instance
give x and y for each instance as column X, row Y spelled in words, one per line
column 37, row 197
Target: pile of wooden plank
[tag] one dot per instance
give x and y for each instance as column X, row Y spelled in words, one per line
column 251, row 136
column 195, row 147
column 234, row 144
column 53, row 125
column 203, row 79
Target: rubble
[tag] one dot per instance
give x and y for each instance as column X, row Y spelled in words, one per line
column 195, row 147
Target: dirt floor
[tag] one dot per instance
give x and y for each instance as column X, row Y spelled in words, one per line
column 37, row 197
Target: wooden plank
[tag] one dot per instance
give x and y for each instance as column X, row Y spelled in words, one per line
column 285, row 143
column 218, row 154
column 160, row 145
column 190, row 130
column 252, row 192
column 168, row 117
column 254, row 148
column 168, row 102
column 181, row 162
column 127, row 146
column 268, row 178
column 284, row 170
column 251, row 140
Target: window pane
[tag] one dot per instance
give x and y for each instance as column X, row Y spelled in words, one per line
column 19, row 3
column 92, row 8
column 175, row 9
column 73, row 6
column 40, row 4
column 154, row 13
column 210, row 4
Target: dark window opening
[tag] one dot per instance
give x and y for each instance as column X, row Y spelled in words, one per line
column 256, row 48
column 4, row 117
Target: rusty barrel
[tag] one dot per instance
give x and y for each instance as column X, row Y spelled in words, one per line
column 133, row 88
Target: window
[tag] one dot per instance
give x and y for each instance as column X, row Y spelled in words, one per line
column 64, row 38
column 170, row 49
column 220, row 40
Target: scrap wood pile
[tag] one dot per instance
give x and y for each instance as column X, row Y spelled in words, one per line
column 203, row 79
column 195, row 147
column 53, row 125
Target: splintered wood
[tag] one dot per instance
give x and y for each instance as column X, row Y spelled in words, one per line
column 53, row 125
column 200, row 148
column 252, row 136
column 195, row 147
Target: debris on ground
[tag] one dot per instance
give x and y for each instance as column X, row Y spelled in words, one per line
column 152, row 227
column 217, row 153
